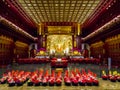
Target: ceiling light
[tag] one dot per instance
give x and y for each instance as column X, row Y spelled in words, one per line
column 91, row 1
column 44, row 1
column 8, row 5
column 73, row 5
column 89, row 4
column 79, row 1
column 29, row 4
column 83, row 4
column 34, row 4
column 45, row 5
column 92, row 7
column 61, row 4
column 56, row 4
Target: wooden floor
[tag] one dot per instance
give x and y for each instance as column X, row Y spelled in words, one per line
column 104, row 85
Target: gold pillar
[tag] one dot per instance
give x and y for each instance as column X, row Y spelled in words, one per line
column 75, row 43
column 44, row 41
column 40, row 29
column 78, row 33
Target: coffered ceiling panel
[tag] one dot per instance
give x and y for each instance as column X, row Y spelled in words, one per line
column 58, row 10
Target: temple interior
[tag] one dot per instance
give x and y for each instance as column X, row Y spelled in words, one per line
column 59, row 44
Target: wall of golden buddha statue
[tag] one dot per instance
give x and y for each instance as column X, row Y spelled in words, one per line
column 10, row 50
column 109, row 48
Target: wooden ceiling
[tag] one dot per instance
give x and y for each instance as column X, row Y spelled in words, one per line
column 108, row 10
column 57, row 10
column 27, row 14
